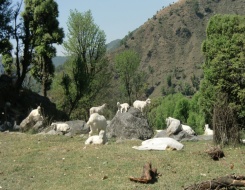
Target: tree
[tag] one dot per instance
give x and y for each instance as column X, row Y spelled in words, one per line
column 182, row 109
column 151, row 71
column 127, row 64
column 225, row 64
column 36, row 32
column 6, row 30
column 139, row 83
column 88, row 64
column 45, row 28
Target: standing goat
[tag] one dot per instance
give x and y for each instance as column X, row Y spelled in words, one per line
column 99, row 109
column 96, row 123
column 141, row 105
column 122, row 107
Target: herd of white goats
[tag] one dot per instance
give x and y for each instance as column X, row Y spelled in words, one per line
column 97, row 122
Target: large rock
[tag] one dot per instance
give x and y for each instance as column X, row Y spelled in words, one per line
column 129, row 125
column 173, row 126
column 29, row 122
column 181, row 136
column 78, row 127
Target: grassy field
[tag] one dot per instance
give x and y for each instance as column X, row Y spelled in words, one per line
column 60, row 163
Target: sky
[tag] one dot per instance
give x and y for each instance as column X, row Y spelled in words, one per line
column 115, row 17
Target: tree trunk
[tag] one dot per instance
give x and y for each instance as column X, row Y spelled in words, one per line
column 149, row 175
column 221, row 182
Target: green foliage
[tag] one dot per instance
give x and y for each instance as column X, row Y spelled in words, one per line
column 196, row 117
column 44, row 26
column 224, row 64
column 180, row 107
column 161, row 109
column 126, row 64
column 195, row 81
column 86, row 72
column 7, row 61
column 196, row 121
column 5, row 26
column 139, row 83
column 187, row 90
column 169, row 80
column 151, row 71
column 35, row 33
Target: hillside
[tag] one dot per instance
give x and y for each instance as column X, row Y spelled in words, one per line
column 113, row 45
column 170, row 41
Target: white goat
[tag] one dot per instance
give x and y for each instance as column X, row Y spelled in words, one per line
column 35, row 112
column 122, row 107
column 207, row 130
column 62, row 127
column 141, row 105
column 99, row 109
column 188, row 129
column 96, row 123
column 97, row 139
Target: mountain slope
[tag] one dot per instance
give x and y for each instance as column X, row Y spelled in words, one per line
column 170, row 42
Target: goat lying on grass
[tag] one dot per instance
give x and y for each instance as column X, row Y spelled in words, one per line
column 97, row 139
column 62, row 127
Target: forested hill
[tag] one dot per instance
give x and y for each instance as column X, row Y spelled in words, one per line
column 170, row 42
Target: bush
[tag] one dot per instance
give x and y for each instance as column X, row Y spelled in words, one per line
column 177, row 106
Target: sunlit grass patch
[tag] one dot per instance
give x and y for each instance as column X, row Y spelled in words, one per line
column 59, row 162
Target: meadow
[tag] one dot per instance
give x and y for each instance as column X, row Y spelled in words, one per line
column 59, row 162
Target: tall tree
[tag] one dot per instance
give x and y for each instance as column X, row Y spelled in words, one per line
column 37, row 31
column 45, row 28
column 6, row 15
column 127, row 64
column 86, row 48
column 225, row 64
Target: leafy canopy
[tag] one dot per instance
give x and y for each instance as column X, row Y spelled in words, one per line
column 86, row 72
column 126, row 64
column 224, row 67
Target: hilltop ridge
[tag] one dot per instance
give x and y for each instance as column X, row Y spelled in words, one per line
column 170, row 42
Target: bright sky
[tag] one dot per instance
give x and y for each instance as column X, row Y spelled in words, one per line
column 115, row 17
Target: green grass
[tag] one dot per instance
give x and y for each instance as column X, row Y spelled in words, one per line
column 58, row 162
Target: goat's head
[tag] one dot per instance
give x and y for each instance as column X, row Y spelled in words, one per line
column 206, row 126
column 39, row 109
column 54, row 126
column 148, row 101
